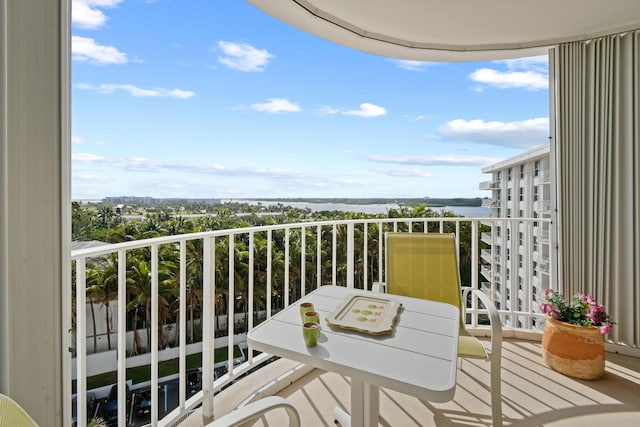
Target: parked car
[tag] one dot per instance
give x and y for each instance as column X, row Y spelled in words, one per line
column 111, row 413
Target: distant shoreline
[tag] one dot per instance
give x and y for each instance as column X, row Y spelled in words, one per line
column 371, row 208
column 429, row 202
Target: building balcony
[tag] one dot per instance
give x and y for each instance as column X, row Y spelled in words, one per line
column 541, row 233
column 485, row 185
column 542, row 206
column 543, row 177
column 489, row 185
column 249, row 274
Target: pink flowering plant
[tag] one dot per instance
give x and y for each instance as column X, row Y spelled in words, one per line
column 582, row 310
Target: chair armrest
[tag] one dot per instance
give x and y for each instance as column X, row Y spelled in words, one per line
column 379, row 287
column 256, row 409
column 494, row 318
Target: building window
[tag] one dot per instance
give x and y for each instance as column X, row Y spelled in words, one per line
column 509, row 194
column 520, row 261
column 521, row 238
column 521, row 171
column 509, row 174
column 535, row 193
column 520, row 283
column 537, row 168
column 509, row 213
column 521, row 194
column 535, row 244
column 508, row 274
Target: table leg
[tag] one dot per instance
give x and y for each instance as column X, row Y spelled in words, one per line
column 371, row 405
column 365, row 406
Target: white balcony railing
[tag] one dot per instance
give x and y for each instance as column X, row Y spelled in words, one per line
column 542, row 206
column 246, row 273
column 543, row 177
column 489, row 185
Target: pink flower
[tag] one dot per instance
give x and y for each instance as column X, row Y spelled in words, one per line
column 604, row 329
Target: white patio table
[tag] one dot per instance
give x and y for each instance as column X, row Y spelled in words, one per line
column 417, row 358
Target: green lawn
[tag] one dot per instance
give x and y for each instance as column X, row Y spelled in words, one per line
column 143, row 373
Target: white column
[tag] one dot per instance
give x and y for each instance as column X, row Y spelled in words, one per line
column 35, row 206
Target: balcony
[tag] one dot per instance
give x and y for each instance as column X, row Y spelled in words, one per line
column 490, row 203
column 543, row 177
column 489, row 185
column 532, row 395
column 248, row 274
column 542, row 206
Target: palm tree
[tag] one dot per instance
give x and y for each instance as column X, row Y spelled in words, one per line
column 194, row 279
column 102, row 281
column 139, row 281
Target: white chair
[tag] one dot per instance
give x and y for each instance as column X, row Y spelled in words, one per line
column 425, row 265
column 255, row 410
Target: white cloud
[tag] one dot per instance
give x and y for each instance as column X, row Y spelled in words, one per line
column 539, row 63
column 327, row 110
column 531, row 80
column 527, row 73
column 78, row 140
column 84, row 49
column 277, row 105
column 87, row 158
column 89, row 177
column 409, row 65
column 406, row 172
column 137, row 91
column 242, row 56
column 451, row 160
column 367, row 111
column 523, row 134
column 85, row 13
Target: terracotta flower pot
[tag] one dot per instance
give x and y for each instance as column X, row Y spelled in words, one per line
column 573, row 350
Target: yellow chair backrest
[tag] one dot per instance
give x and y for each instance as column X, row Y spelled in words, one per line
column 423, row 266
column 12, row 414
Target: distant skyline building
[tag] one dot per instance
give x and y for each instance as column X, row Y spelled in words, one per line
column 520, row 188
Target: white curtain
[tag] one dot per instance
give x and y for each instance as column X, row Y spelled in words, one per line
column 597, row 105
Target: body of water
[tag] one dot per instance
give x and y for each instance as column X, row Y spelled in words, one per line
column 379, row 208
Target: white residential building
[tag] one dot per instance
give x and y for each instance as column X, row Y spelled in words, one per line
column 517, row 253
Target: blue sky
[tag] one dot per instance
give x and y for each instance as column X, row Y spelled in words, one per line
column 215, row 99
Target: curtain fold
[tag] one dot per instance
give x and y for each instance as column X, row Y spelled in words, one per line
column 597, row 150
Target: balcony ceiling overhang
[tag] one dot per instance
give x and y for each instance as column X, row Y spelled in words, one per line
column 455, row 30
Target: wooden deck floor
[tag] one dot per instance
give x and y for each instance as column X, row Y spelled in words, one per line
column 532, row 395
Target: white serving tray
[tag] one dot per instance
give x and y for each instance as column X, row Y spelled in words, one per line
column 368, row 314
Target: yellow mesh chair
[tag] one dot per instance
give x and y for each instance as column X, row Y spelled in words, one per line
column 12, row 414
column 426, row 266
